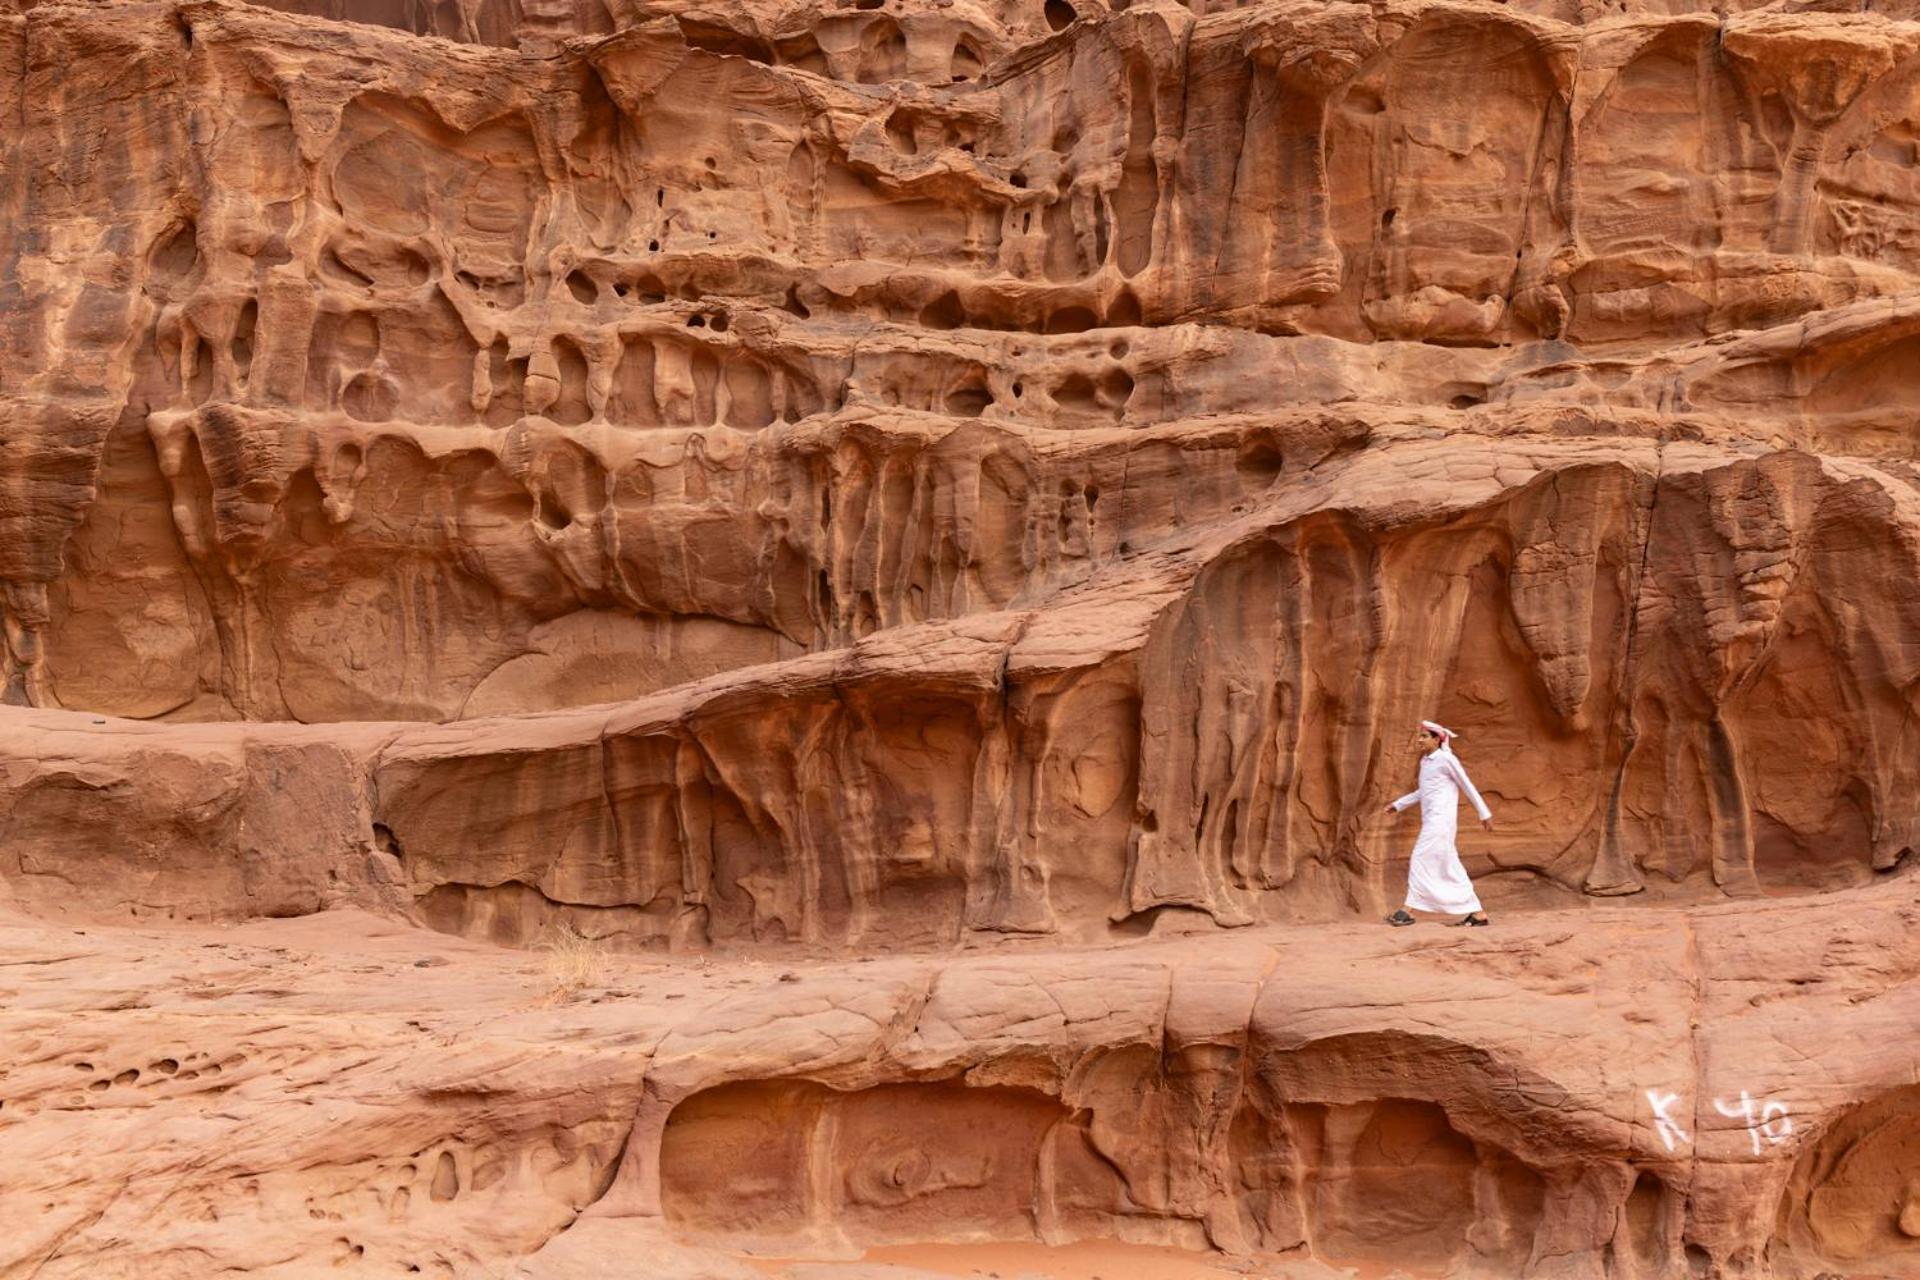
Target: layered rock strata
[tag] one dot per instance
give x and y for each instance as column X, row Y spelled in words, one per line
column 966, row 500
column 1629, row 1092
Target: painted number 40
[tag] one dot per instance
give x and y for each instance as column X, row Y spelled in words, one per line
column 1768, row 1124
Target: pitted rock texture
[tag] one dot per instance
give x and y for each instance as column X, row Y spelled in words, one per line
column 284, row 1097
column 959, row 497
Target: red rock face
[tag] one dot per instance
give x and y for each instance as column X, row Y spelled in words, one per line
column 959, row 506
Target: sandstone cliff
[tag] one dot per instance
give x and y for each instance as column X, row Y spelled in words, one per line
column 962, row 503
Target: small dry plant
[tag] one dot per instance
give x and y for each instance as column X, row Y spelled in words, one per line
column 574, row 962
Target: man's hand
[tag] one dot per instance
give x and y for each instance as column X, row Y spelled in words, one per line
column 1390, row 808
column 1486, row 824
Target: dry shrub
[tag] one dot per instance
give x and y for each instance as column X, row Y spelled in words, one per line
column 574, row 961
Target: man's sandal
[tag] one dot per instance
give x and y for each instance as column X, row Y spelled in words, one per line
column 1474, row 921
column 1401, row 918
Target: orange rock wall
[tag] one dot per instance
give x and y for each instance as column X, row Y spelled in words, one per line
column 830, row 483
column 1249, row 383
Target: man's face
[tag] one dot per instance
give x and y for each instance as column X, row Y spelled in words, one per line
column 1428, row 740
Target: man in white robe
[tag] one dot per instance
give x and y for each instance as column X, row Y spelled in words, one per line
column 1436, row 881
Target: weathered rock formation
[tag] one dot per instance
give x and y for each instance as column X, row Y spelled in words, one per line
column 957, row 497
column 1621, row 1093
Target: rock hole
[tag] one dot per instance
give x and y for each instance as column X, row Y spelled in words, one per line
column 177, row 252
column 582, row 287
column 696, row 321
column 653, row 246
column 1124, row 313
column 1076, row 391
column 1071, row 320
column 967, row 63
column 200, row 383
column 553, row 513
column 1260, row 461
column 793, row 304
column 1643, row 1222
column 1018, row 179
column 166, row 1066
column 1464, row 401
column 883, row 52
column 720, row 322
column 385, row 841
column 633, row 402
column 130, row 1076
column 749, row 400
column 446, row 1178
column 944, row 312
column 1136, row 203
column 370, row 398
column 713, row 37
column 242, row 347
column 803, row 53
column 1018, row 390
column 1060, row 14
column 1699, row 1262
column 1386, row 218
column 900, row 134
column 99, row 1086
column 572, row 407
column 968, row 402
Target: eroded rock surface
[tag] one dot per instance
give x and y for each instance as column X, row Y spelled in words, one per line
column 1625, row 1092
column 964, row 499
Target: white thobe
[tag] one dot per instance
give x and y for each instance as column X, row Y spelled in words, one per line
column 1436, row 881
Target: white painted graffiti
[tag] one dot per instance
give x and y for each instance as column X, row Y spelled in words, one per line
column 1768, row 1119
column 1670, row 1131
column 1771, row 1122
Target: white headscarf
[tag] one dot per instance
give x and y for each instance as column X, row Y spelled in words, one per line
column 1446, row 735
